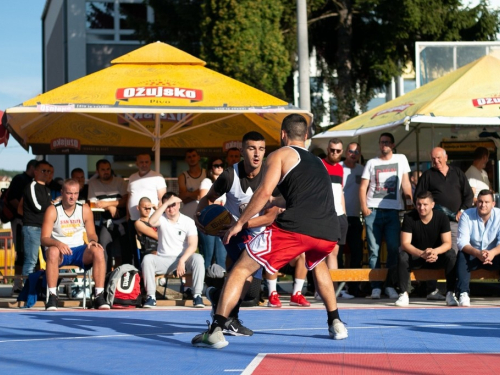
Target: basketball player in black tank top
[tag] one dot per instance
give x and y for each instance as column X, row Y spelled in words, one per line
column 308, row 225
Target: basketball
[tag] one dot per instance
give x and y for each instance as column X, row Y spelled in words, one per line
column 214, row 218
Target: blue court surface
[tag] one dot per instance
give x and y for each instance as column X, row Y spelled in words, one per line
column 286, row 341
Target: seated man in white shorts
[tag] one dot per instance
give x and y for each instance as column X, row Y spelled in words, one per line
column 62, row 234
column 177, row 243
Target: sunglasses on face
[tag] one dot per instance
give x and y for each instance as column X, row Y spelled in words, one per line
column 355, row 152
column 385, row 142
column 45, row 170
column 146, row 208
column 335, row 151
column 217, row 165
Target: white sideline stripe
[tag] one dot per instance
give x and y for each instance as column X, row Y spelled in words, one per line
column 255, row 330
column 253, row 365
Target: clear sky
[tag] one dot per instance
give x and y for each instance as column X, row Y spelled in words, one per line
column 20, row 66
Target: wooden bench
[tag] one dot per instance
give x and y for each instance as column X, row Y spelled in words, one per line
column 365, row 274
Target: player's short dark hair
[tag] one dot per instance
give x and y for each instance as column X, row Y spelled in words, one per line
column 484, row 192
column 76, row 170
column 425, row 195
column 252, row 136
column 31, row 163
column 295, row 126
column 389, row 135
column 480, row 152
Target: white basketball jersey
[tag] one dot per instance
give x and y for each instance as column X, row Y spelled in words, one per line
column 237, row 199
column 69, row 229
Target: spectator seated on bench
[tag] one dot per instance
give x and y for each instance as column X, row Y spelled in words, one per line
column 177, row 243
column 478, row 242
column 426, row 243
column 146, row 234
column 63, row 229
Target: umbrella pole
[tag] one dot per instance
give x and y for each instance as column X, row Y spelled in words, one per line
column 157, row 143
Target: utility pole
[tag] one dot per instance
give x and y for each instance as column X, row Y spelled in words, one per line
column 303, row 54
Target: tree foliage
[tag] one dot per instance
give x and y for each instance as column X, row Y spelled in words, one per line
column 361, row 44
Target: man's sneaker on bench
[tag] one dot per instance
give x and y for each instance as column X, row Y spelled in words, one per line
column 436, row 296
column 403, row 300
column 51, row 304
column 391, row 293
column 198, row 302
column 234, row 327
column 450, row 299
column 100, row 302
column 464, row 300
column 343, row 294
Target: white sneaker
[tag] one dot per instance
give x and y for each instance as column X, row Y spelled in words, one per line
column 391, row 293
column 403, row 300
column 436, row 296
column 337, row 330
column 345, row 295
column 464, row 300
column 450, row 299
column 376, row 292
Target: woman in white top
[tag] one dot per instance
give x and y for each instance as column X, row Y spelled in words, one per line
column 211, row 245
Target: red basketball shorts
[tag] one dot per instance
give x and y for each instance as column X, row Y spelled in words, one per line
column 275, row 247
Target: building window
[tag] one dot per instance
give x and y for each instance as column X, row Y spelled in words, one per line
column 106, row 20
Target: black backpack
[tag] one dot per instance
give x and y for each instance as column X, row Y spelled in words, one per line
column 7, row 211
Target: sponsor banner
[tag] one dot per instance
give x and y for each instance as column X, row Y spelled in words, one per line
column 55, row 108
column 398, row 109
column 479, row 102
column 65, row 143
column 159, row 92
column 231, row 144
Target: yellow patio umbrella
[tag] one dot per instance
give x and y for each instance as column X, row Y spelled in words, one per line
column 461, row 103
column 156, row 97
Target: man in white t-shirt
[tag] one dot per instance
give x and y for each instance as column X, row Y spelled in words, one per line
column 477, row 176
column 383, row 183
column 177, row 243
column 189, row 183
column 144, row 183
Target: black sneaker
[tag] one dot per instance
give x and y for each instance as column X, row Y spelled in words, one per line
column 100, row 302
column 51, row 304
column 234, row 327
column 188, row 294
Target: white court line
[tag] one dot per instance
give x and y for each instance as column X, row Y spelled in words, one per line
column 255, row 362
column 255, row 330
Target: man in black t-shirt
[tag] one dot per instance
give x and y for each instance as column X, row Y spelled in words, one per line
column 426, row 243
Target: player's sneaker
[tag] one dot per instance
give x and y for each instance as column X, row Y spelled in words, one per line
column 403, row 300
column 464, row 300
column 214, row 340
column 376, row 292
column 436, row 296
column 299, row 300
column 51, row 304
column 100, row 302
column 234, row 327
column 337, row 330
column 451, row 300
column 391, row 293
column 274, row 300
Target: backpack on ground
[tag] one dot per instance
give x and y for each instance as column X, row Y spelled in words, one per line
column 123, row 289
column 7, row 211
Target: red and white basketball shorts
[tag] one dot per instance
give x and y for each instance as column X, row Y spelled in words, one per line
column 275, row 247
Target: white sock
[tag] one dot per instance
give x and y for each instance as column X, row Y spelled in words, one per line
column 153, row 297
column 196, row 295
column 53, row 291
column 271, row 285
column 98, row 291
column 298, row 285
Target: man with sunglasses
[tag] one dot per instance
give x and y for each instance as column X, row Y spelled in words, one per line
column 336, row 172
column 177, row 244
column 383, row 183
column 36, row 199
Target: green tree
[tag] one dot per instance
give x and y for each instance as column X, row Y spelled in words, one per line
column 243, row 39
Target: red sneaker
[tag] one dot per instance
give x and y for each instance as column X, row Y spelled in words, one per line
column 274, row 300
column 299, row 300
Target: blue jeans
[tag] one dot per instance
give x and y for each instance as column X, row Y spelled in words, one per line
column 31, row 245
column 210, row 245
column 467, row 263
column 382, row 223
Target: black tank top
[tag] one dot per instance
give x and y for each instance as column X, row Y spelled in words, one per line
column 309, row 199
